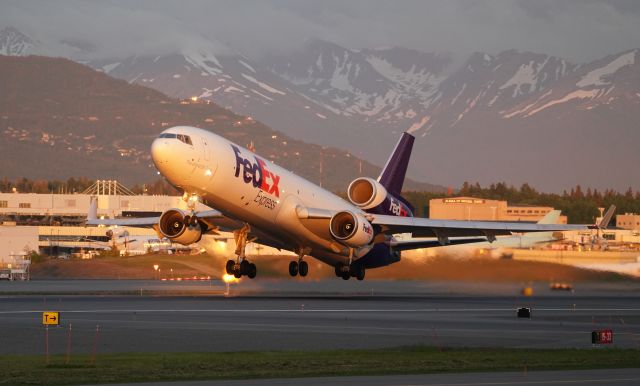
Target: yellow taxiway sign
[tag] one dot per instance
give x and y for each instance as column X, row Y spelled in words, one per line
column 51, row 317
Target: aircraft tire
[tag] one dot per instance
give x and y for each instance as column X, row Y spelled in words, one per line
column 253, row 271
column 303, row 268
column 360, row 274
column 338, row 269
column 229, row 267
column 346, row 276
column 237, row 274
column 244, row 267
column 293, row 268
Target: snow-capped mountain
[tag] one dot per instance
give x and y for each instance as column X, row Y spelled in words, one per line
column 15, row 43
column 385, row 86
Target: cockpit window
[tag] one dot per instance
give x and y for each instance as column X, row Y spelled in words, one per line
column 181, row 137
column 185, row 138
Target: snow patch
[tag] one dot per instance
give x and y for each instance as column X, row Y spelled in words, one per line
column 578, row 94
column 176, row 76
column 232, row 89
column 464, row 86
column 321, row 116
column 595, row 77
column 262, row 95
column 526, row 75
column 202, row 60
column 206, row 93
column 418, row 125
column 109, row 67
column 263, row 85
column 247, row 66
column 526, row 108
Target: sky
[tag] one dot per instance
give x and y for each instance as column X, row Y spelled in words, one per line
column 577, row 30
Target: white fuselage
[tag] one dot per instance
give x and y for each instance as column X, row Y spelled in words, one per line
column 248, row 188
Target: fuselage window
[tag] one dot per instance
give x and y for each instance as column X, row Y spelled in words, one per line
column 167, row 135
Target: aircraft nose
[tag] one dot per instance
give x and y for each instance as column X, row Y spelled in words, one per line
column 160, row 152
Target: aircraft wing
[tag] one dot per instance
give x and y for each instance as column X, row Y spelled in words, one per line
column 444, row 229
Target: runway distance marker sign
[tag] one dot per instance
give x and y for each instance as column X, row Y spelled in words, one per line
column 602, row 337
column 51, row 318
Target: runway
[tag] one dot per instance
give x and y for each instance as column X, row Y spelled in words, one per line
column 289, row 315
column 618, row 377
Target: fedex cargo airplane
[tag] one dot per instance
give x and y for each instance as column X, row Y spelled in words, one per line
column 259, row 201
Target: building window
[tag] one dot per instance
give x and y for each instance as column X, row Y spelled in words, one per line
column 4, row 204
column 124, row 203
column 24, row 205
column 71, row 203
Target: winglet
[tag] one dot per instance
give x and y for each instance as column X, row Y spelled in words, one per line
column 394, row 171
column 606, row 219
column 92, row 214
column 551, row 217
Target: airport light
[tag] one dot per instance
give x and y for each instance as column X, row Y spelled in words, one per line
column 155, row 268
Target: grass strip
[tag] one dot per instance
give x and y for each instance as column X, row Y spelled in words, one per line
column 153, row 367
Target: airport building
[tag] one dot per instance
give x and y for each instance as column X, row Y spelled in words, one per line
column 114, row 200
column 471, row 208
column 628, row 221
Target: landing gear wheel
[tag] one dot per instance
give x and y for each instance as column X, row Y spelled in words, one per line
column 303, row 268
column 229, row 267
column 244, row 267
column 360, row 274
column 345, row 276
column 338, row 269
column 236, row 273
column 253, row 271
column 293, row 268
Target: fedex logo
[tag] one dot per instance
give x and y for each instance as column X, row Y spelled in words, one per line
column 367, row 228
column 398, row 208
column 256, row 173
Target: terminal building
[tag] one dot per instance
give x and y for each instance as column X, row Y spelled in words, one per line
column 629, row 221
column 480, row 209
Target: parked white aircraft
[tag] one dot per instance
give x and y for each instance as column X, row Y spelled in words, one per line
column 260, row 201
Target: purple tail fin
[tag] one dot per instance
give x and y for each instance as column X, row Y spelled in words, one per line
column 393, row 174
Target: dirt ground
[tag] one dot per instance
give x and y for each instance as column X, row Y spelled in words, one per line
column 141, row 267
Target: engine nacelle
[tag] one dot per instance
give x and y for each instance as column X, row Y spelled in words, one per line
column 351, row 229
column 366, row 193
column 179, row 228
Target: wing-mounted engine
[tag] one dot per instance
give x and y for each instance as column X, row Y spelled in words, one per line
column 179, row 227
column 351, row 229
column 369, row 195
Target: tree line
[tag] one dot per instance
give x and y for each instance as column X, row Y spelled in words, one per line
column 578, row 204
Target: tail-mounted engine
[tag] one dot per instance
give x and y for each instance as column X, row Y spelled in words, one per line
column 366, row 193
column 369, row 195
column 351, row 229
column 180, row 228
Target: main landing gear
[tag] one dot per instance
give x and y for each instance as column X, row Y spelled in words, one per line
column 242, row 266
column 348, row 271
column 299, row 267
